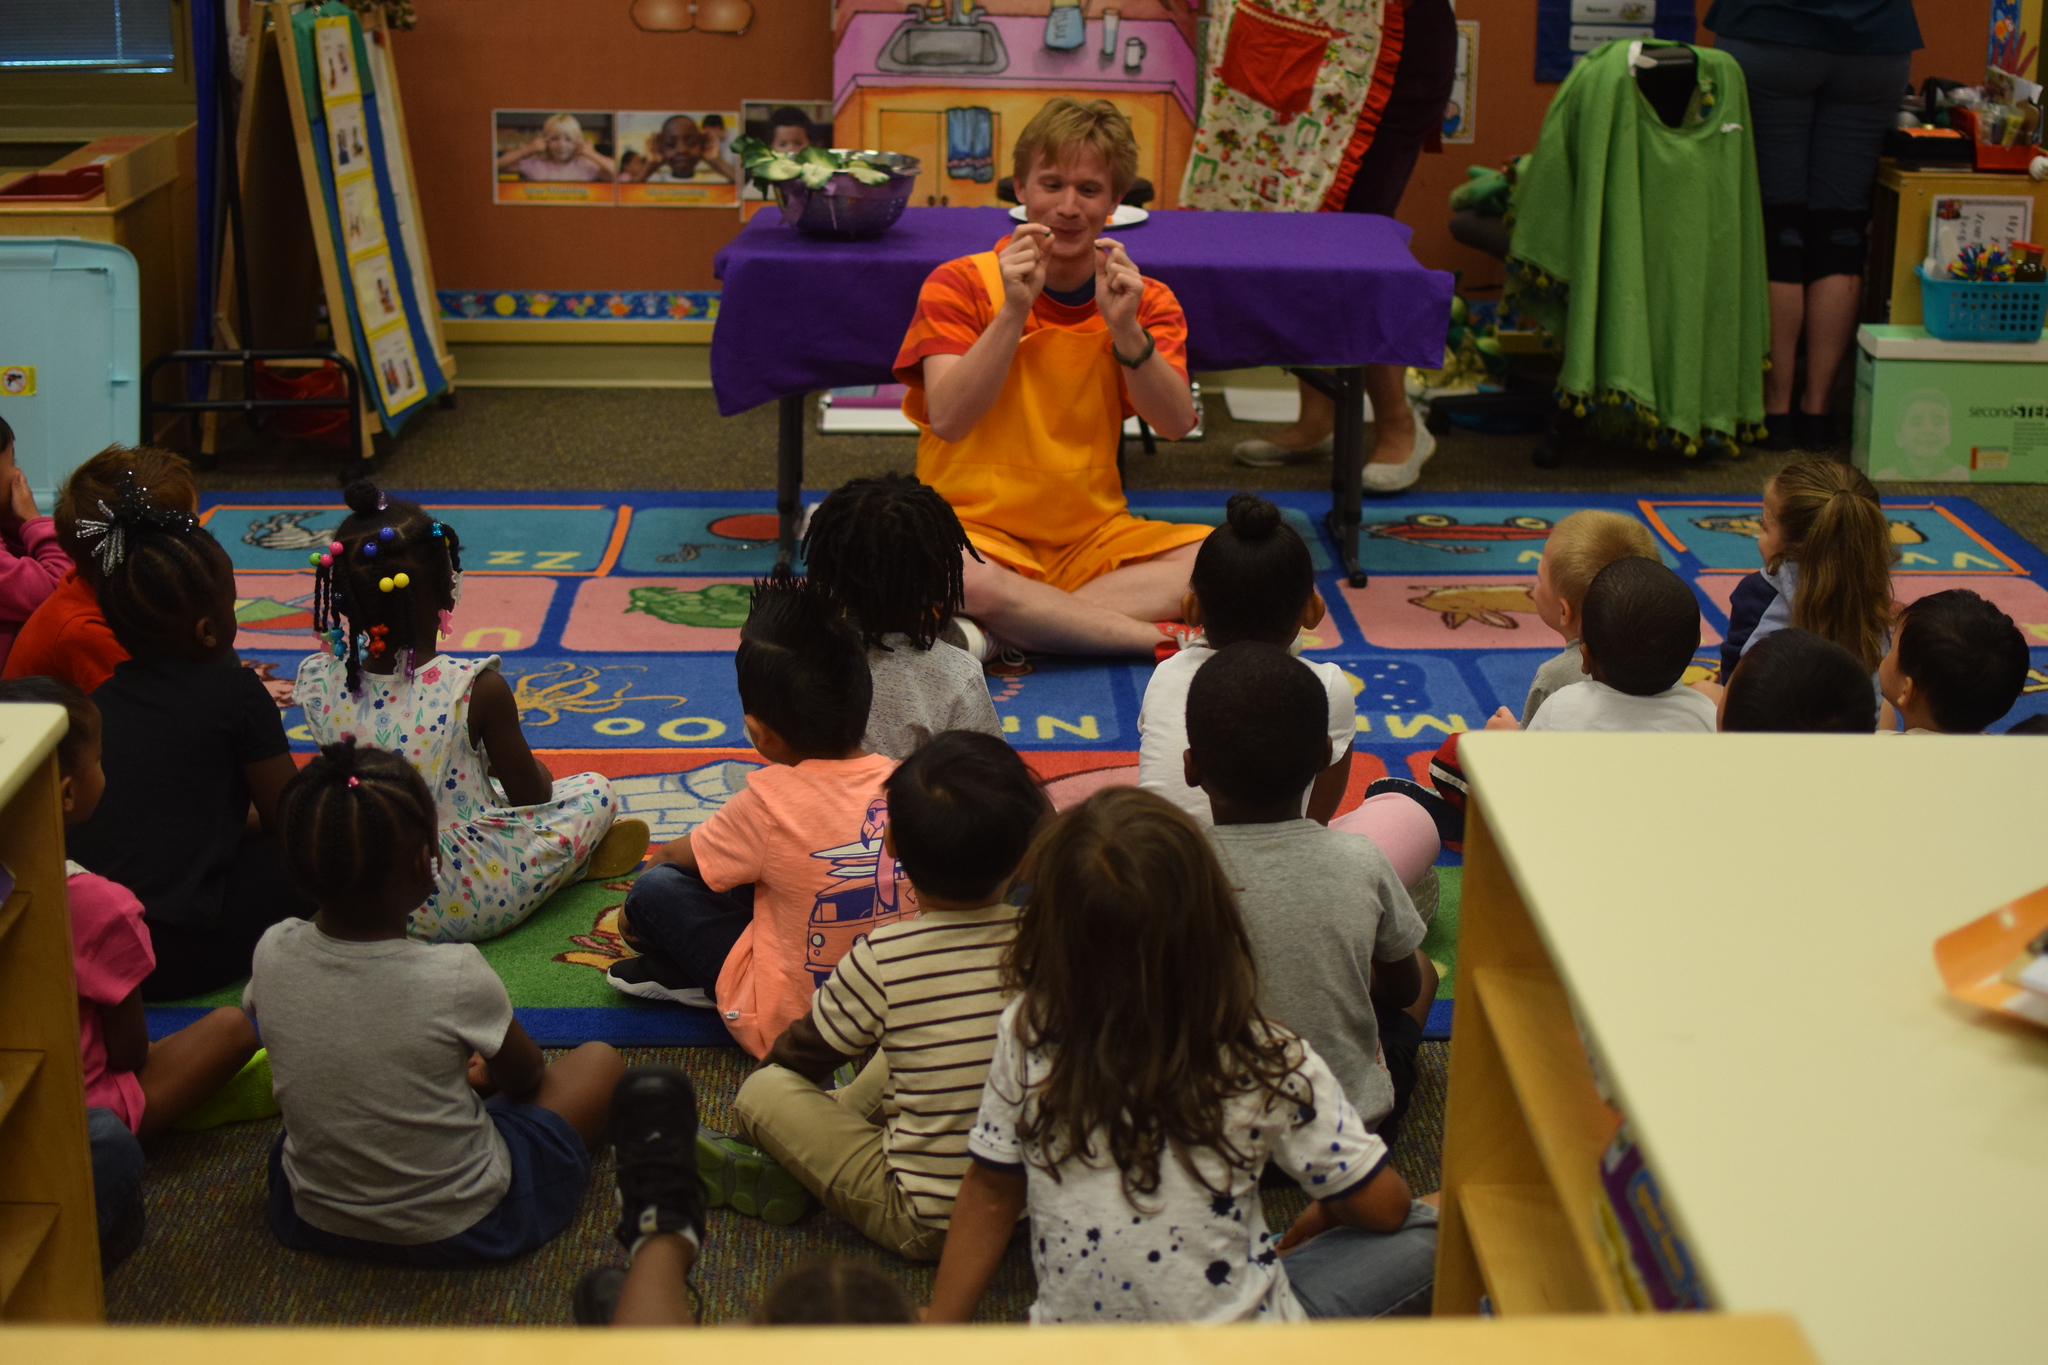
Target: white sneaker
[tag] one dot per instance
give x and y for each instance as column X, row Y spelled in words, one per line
column 1392, row 478
column 965, row 632
column 1267, row 455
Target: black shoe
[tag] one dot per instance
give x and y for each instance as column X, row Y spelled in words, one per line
column 596, row 1301
column 1815, row 432
column 1449, row 820
column 656, row 978
column 654, row 1131
column 1780, row 433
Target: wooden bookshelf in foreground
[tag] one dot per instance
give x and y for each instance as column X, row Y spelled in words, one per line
column 1524, row 1126
column 49, row 1242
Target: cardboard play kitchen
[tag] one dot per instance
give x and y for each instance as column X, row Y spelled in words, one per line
column 1950, row 411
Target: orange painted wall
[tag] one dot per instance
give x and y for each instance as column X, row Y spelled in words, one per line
column 468, row 57
column 1511, row 105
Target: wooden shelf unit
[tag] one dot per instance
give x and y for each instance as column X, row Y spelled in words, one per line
column 1524, row 1126
column 49, row 1239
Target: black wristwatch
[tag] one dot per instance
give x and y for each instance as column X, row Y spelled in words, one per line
column 1143, row 356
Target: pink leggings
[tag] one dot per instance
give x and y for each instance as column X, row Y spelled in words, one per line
column 1401, row 828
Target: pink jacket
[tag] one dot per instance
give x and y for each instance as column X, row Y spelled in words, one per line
column 31, row 564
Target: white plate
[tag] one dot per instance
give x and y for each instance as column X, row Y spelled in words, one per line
column 1125, row 216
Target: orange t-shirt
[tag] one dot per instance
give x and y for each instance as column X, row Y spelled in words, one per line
column 66, row 637
column 809, row 839
column 954, row 309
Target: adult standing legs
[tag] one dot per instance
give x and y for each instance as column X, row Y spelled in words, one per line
column 1819, row 120
column 1414, row 112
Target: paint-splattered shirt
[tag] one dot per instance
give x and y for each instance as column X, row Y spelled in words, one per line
column 1185, row 1253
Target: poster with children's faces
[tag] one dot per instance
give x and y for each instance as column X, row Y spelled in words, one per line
column 349, row 137
column 362, row 217
column 554, row 156
column 398, row 369
column 334, row 50
column 678, row 158
column 786, row 126
column 377, row 291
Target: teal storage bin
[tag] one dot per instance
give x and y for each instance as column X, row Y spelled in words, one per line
column 70, row 354
column 1981, row 310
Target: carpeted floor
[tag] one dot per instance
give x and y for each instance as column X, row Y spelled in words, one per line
column 674, row 438
column 208, row 1258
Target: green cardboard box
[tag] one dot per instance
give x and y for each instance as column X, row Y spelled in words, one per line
column 1931, row 411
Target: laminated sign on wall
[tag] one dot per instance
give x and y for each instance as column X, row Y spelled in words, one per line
column 1567, row 30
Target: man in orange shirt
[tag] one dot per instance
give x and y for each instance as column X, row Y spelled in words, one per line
column 1022, row 364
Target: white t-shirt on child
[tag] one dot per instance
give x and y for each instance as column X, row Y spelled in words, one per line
column 1188, row 1254
column 1594, row 705
column 369, row 1052
column 1163, row 727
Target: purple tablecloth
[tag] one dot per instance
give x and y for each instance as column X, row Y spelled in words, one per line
column 800, row 313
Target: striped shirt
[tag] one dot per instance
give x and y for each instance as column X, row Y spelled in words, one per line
column 928, row 991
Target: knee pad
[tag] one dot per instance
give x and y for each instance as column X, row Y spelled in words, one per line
column 1837, row 242
column 1785, row 243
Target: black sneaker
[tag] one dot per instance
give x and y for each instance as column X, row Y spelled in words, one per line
column 656, row 978
column 654, row 1132
column 596, row 1301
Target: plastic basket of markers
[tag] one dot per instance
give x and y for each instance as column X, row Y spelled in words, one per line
column 1981, row 310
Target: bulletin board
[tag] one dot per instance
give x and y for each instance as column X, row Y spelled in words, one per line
column 340, row 241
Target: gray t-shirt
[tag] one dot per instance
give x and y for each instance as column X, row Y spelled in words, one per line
column 921, row 692
column 1320, row 906
column 369, row 1051
column 1558, row 672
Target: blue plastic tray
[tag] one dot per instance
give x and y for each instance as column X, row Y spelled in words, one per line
column 69, row 311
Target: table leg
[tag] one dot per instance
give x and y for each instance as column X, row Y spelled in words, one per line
column 1347, row 465
column 789, row 478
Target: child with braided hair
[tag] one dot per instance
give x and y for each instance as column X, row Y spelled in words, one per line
column 191, row 742
column 888, row 550
column 384, row 1049
column 511, row 834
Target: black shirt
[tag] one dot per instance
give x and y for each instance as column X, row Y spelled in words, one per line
column 175, row 737
column 1845, row 27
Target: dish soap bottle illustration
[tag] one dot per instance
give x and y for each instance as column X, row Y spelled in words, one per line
column 1065, row 26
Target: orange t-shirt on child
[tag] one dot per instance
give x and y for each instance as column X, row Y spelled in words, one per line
column 809, row 839
column 67, row 637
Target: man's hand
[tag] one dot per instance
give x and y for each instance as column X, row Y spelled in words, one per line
column 1023, row 264
column 1118, row 288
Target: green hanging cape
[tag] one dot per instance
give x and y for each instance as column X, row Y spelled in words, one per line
column 1654, row 237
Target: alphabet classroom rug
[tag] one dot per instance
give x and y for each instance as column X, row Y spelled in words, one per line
column 616, row 615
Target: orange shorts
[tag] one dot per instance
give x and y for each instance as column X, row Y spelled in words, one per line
column 1121, row 539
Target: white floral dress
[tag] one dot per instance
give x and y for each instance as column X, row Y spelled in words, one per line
column 498, row 862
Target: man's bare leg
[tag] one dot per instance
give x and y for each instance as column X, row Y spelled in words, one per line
column 1149, row 590
column 1112, row 615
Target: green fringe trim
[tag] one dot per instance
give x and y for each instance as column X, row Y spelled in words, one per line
column 1641, row 424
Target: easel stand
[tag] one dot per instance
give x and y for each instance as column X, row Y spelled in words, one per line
column 249, row 405
column 282, row 269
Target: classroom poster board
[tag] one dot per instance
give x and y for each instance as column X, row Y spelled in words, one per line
column 352, row 203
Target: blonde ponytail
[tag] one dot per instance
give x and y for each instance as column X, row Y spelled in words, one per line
column 1837, row 532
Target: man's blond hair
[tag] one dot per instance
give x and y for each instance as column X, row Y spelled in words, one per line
column 1065, row 123
column 1586, row 542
